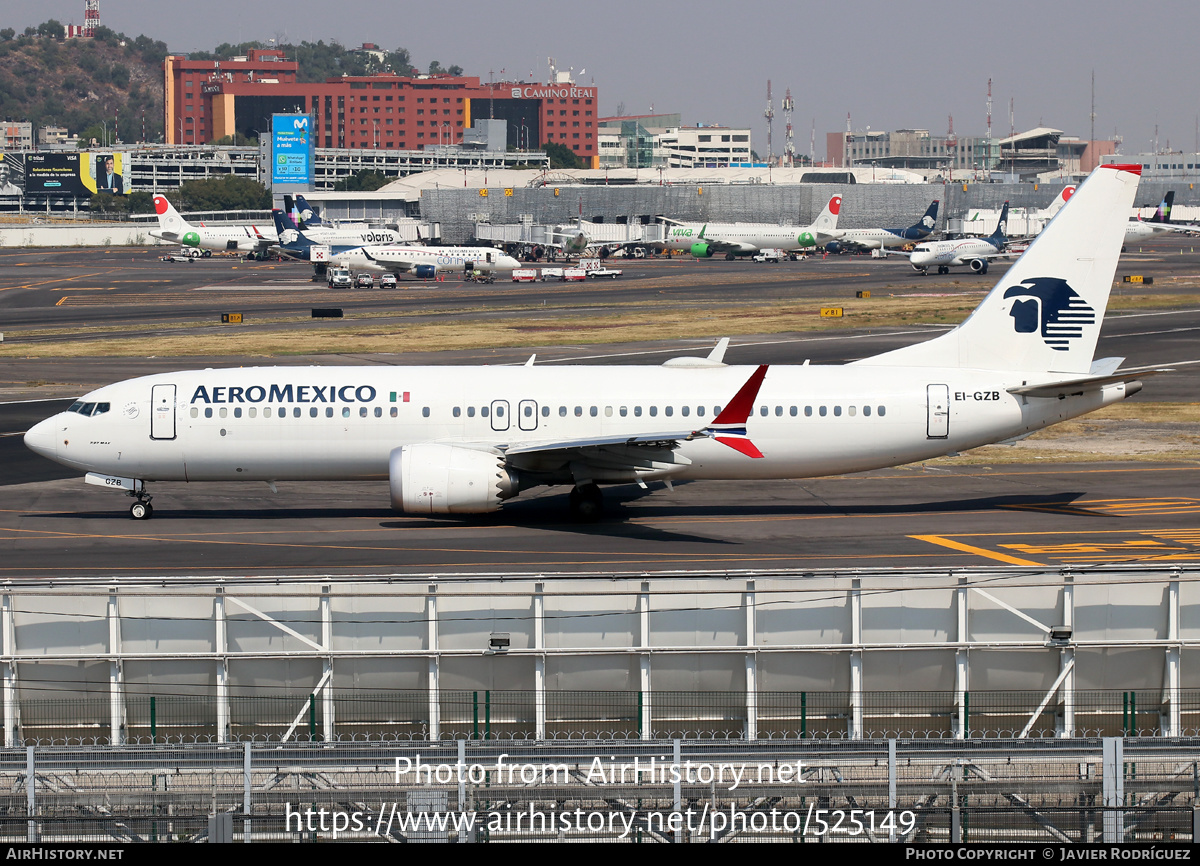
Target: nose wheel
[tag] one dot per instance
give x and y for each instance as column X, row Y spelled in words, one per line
column 141, row 509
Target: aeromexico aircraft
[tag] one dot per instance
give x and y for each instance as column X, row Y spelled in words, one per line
column 327, row 235
column 398, row 258
column 250, row 239
column 466, row 439
column 703, row 240
column 874, row 239
column 972, row 252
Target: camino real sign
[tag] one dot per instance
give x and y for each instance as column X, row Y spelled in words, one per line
column 291, row 149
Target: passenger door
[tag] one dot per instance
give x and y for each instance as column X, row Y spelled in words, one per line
column 938, row 403
column 162, row 412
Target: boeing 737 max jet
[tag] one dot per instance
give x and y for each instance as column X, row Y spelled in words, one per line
column 465, row 439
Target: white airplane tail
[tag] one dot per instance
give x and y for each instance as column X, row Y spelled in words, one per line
column 1045, row 313
column 171, row 224
column 827, row 221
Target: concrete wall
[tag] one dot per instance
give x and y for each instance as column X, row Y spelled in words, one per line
column 76, row 235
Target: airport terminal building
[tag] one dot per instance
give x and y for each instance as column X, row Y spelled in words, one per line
column 207, row 100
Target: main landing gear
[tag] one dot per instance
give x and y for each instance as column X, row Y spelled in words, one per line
column 587, row 503
column 141, row 508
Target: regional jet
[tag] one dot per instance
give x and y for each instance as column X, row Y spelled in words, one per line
column 972, row 252
column 456, row 440
column 874, row 239
column 704, row 240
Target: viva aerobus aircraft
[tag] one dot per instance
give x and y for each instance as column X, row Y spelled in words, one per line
column 398, row 258
column 875, row 239
column 704, row 240
column 465, row 439
column 252, row 240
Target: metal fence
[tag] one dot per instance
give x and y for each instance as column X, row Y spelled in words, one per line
column 1063, row 791
column 491, row 715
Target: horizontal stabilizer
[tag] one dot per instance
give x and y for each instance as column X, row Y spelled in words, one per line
column 1068, row 387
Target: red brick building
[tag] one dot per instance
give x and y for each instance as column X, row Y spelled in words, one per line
column 207, row 100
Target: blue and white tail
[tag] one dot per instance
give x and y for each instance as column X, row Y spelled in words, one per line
column 1045, row 313
column 998, row 238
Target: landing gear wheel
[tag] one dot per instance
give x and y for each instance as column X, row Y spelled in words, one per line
column 587, row 503
column 729, row 257
column 141, row 511
column 942, row 269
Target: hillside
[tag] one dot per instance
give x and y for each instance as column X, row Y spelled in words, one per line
column 83, row 84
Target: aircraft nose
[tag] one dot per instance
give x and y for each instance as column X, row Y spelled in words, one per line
column 41, row 438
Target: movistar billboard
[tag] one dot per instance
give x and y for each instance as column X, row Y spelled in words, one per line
column 291, row 149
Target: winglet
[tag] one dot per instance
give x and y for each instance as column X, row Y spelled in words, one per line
column 532, row 357
column 742, row 404
column 717, row 355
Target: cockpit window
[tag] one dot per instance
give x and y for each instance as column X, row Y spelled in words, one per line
column 88, row 409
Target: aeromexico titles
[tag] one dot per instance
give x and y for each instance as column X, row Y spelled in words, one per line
column 465, row 439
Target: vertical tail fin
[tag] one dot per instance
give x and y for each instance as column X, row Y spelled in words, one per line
column 828, row 219
column 924, row 227
column 1163, row 214
column 1045, row 313
column 309, row 215
column 997, row 238
column 1061, row 199
column 171, row 223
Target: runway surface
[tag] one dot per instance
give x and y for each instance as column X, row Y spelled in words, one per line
column 52, row 524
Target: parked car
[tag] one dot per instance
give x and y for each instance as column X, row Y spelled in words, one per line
column 364, row 281
column 387, row 281
column 769, row 256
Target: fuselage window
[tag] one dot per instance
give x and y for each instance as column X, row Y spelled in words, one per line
column 716, row 411
column 328, row 411
column 867, row 411
column 378, row 411
column 345, row 411
column 195, row 412
column 237, row 411
column 578, row 411
column 499, row 411
column 394, row 412
column 483, row 411
column 685, row 410
column 808, row 411
column 562, row 411
column 470, row 411
column 456, row 411
column 792, row 411
column 545, row 411
column 624, row 411
column 207, row 412
column 837, row 411
column 593, row 412
column 822, row 411
column 668, row 411
column 608, row 411
column 266, row 411
column 637, row 411
column 778, row 411
column 424, row 411
column 700, row 411
column 653, row 411
column 313, row 411
column 253, row 412
column 852, row 411
column 882, row 411
column 296, row 412
column 362, row 411
column 528, row 411
column 762, row 410
column 223, row 412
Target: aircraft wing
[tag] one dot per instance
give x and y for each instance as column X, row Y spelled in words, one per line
column 389, row 260
column 728, row 428
column 1067, row 387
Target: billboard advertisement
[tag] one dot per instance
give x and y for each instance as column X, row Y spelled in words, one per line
column 12, row 175
column 81, row 174
column 291, row 149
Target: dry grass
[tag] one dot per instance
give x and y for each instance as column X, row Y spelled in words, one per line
column 517, row 326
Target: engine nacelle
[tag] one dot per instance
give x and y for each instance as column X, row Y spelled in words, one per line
column 833, row 247
column 702, row 251
column 979, row 266
column 425, row 272
column 430, row 478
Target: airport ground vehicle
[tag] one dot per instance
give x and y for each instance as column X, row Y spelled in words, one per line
column 770, row 256
column 364, row 281
column 387, row 281
column 339, row 278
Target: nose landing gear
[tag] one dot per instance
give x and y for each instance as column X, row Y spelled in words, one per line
column 141, row 508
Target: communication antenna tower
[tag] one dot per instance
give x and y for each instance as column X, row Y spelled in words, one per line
column 91, row 17
column 769, row 114
column 789, row 147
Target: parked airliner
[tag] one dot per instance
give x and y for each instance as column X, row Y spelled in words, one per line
column 250, row 239
column 703, row 240
column 972, row 252
column 466, row 439
column 874, row 239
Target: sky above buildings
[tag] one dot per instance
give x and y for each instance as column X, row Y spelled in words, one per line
column 888, row 65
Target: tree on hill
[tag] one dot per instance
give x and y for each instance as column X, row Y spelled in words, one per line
column 561, row 156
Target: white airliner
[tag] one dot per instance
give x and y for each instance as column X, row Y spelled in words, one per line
column 250, row 239
column 465, row 439
column 972, row 252
column 328, row 235
column 875, row 239
column 400, row 258
column 703, row 240
column 1139, row 229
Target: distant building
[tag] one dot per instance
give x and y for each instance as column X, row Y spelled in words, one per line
column 208, row 100
column 661, row 140
column 17, row 136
